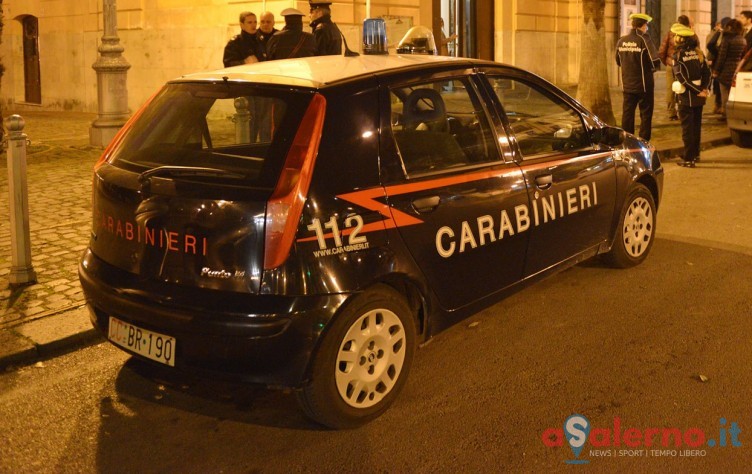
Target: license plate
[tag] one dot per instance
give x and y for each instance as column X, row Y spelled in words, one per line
column 147, row 343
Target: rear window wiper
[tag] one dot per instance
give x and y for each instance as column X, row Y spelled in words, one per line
column 172, row 171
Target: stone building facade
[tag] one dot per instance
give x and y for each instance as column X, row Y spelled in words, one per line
column 49, row 46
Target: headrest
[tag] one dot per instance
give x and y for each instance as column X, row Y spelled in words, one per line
column 423, row 105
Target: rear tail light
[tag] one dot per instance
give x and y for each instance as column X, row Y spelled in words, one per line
column 120, row 134
column 285, row 206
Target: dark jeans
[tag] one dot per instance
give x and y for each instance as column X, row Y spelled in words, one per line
column 691, row 123
column 646, row 102
column 261, row 120
column 717, row 94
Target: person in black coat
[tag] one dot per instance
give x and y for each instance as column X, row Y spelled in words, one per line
column 693, row 77
column 264, row 33
column 325, row 31
column 729, row 55
column 243, row 48
column 292, row 41
column 714, row 42
column 745, row 18
column 637, row 57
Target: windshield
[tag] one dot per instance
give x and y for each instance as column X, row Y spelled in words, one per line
column 237, row 128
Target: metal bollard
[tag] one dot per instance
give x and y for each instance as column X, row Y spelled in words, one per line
column 21, row 270
column 242, row 121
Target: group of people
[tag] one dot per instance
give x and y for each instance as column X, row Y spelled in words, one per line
column 691, row 75
column 262, row 42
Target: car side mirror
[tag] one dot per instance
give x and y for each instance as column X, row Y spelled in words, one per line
column 610, row 136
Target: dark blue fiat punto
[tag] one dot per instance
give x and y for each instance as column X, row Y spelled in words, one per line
column 307, row 223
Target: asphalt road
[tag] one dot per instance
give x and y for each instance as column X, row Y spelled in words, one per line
column 663, row 345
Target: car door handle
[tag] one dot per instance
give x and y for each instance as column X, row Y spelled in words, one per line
column 426, row 204
column 544, row 181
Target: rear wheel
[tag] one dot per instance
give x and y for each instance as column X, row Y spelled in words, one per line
column 362, row 362
column 741, row 139
column 636, row 231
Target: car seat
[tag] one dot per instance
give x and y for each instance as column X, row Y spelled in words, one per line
column 424, row 109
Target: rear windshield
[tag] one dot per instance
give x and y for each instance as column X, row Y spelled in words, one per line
column 235, row 128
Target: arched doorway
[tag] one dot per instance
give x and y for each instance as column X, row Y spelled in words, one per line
column 32, row 80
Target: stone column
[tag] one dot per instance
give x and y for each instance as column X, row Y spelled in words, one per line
column 112, row 94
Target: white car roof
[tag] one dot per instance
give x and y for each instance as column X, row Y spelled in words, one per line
column 315, row 71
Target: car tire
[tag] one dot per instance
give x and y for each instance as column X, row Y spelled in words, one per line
column 636, row 231
column 741, row 139
column 362, row 362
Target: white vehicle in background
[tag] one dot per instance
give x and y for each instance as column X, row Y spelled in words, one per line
column 739, row 108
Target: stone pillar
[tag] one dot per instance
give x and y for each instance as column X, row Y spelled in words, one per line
column 112, row 94
column 242, row 121
column 21, row 269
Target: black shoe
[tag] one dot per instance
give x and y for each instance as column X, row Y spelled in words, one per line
column 686, row 164
column 674, row 117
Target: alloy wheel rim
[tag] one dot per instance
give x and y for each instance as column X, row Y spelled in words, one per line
column 638, row 227
column 370, row 358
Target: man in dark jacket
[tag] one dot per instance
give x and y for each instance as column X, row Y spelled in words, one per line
column 729, row 55
column 638, row 58
column 292, row 41
column 713, row 44
column 243, row 48
column 264, row 33
column 745, row 17
column 325, row 31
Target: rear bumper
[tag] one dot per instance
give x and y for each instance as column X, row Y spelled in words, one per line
column 256, row 338
column 739, row 115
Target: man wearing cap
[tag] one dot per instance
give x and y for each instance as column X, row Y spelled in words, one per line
column 243, row 48
column 325, row 31
column 292, row 41
column 666, row 53
column 638, row 58
column 691, row 87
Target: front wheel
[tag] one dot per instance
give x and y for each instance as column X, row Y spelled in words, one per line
column 362, row 362
column 636, row 231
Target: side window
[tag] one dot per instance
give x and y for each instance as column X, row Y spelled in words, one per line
column 541, row 122
column 440, row 125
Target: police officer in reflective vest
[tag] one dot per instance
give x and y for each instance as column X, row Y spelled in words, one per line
column 325, row 31
column 292, row 41
column 638, row 58
column 691, row 86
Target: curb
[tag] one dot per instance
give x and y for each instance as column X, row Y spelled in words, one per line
column 47, row 337
column 674, row 149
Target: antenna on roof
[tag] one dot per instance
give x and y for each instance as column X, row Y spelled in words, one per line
column 348, row 51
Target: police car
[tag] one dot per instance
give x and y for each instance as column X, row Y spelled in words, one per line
column 308, row 223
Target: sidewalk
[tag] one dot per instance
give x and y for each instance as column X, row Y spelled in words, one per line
column 49, row 317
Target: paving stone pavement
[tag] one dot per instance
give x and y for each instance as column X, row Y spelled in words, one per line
column 59, row 172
